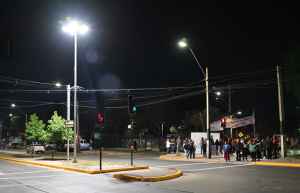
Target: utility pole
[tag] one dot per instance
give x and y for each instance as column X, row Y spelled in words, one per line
column 281, row 113
column 68, row 118
column 207, row 117
column 229, row 109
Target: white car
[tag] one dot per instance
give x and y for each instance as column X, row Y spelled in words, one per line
column 83, row 144
column 48, row 145
column 37, row 148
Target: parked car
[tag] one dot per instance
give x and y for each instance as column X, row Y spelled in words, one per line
column 48, row 145
column 35, row 147
column 83, row 144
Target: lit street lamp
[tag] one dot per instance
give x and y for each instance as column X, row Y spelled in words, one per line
column 74, row 28
column 183, row 44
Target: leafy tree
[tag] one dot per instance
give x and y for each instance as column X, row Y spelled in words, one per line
column 35, row 129
column 17, row 127
column 56, row 130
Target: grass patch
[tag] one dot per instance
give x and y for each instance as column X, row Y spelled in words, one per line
column 25, row 155
column 97, row 163
column 295, row 156
column 179, row 154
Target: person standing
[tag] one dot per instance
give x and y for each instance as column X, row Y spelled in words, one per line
column 183, row 147
column 269, row 146
column 172, row 144
column 245, row 150
column 168, row 146
column 238, row 149
column 194, row 149
column 226, row 148
column 190, row 150
column 204, row 148
column 212, row 145
column 263, row 143
column 178, row 141
column 275, row 146
column 221, row 145
column 91, row 145
column 201, row 142
column 258, row 149
column 252, row 149
column 233, row 146
column 217, row 144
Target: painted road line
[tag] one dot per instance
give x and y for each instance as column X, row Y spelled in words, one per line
column 34, row 177
column 186, row 164
column 276, row 164
column 215, row 168
column 27, row 172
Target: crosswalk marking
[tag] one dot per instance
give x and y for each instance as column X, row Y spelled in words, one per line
column 216, row 168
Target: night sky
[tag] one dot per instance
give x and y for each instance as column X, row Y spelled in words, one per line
column 134, row 44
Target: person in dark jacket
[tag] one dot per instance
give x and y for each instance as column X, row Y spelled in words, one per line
column 269, row 146
column 263, row 143
column 238, row 149
column 258, row 149
column 212, row 145
column 190, row 150
column 245, row 150
column 204, row 148
column 217, row 144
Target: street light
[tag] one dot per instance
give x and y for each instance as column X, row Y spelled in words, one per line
column 183, row 44
column 74, row 28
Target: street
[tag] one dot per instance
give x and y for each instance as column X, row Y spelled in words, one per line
column 197, row 177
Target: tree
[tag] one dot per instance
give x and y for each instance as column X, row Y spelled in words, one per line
column 35, row 129
column 17, row 127
column 56, row 130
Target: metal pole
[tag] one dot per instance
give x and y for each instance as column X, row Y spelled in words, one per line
column 162, row 130
column 75, row 95
column 68, row 118
column 207, row 117
column 229, row 100
column 100, row 147
column 281, row 113
column 1, row 129
column 131, row 141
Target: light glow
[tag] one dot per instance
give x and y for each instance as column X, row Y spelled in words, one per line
column 13, row 105
column 183, row 44
column 58, row 84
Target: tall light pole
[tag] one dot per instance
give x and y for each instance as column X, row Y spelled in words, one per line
column 25, row 140
column 183, row 44
column 74, row 28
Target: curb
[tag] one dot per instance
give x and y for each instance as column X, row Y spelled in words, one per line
column 182, row 159
column 149, row 179
column 276, row 164
column 74, row 169
column 110, row 153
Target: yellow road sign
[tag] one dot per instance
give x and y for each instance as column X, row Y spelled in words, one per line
column 241, row 134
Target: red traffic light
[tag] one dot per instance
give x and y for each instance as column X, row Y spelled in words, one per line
column 100, row 117
column 223, row 120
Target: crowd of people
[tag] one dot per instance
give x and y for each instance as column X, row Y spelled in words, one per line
column 256, row 148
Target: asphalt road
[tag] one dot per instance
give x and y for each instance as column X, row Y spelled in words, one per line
column 197, row 177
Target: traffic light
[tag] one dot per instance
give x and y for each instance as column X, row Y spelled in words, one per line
column 101, row 118
column 134, row 121
column 131, row 105
column 100, row 101
column 223, row 122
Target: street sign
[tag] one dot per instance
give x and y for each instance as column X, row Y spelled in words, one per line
column 129, row 126
column 180, row 127
column 241, row 134
column 96, row 135
column 69, row 123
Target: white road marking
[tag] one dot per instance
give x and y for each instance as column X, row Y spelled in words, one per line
column 185, row 164
column 34, row 177
column 215, row 168
column 27, row 172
